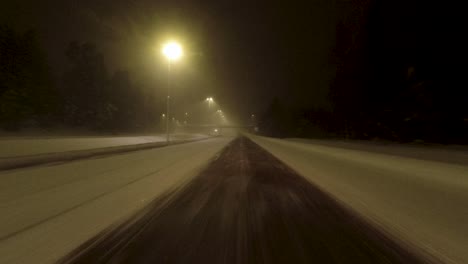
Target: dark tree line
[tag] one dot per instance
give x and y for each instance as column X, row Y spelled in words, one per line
column 397, row 78
column 86, row 96
column 96, row 99
column 27, row 93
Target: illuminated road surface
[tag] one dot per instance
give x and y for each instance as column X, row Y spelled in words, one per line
column 242, row 208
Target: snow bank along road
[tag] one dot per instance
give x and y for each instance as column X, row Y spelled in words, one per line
column 20, row 147
column 21, row 153
column 244, row 193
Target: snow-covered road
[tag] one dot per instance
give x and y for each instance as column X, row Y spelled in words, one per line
column 47, row 211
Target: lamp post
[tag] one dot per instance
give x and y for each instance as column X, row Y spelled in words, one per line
column 210, row 101
column 172, row 51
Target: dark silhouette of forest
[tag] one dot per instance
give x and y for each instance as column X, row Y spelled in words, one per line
column 396, row 79
column 85, row 96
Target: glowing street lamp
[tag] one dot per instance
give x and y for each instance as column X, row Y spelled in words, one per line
column 172, row 51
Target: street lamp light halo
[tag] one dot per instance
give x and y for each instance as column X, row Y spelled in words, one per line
column 172, row 51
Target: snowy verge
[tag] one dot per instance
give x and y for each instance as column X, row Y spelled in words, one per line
column 32, row 160
column 456, row 154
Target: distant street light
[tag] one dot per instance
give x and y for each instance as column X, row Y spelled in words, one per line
column 210, row 102
column 186, row 118
column 172, row 51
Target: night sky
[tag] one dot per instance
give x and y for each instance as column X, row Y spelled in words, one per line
column 243, row 53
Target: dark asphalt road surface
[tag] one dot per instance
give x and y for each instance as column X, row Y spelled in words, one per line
column 246, row 207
